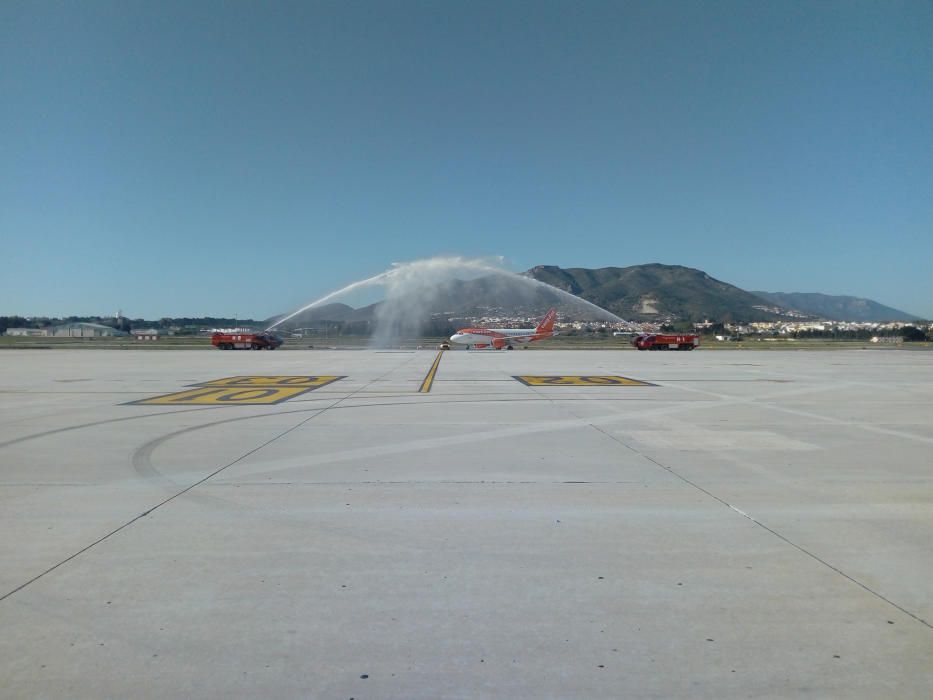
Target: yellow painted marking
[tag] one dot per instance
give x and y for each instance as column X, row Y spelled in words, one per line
column 578, row 380
column 227, row 396
column 273, row 380
column 429, row 378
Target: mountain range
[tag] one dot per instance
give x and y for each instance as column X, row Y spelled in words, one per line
column 640, row 293
column 836, row 308
column 646, row 291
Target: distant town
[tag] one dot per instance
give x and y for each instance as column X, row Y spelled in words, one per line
column 810, row 328
column 444, row 324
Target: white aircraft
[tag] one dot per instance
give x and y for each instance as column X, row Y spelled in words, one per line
column 498, row 338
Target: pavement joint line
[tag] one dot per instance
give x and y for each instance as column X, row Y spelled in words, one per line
column 576, row 421
column 481, row 398
column 417, row 482
column 141, row 457
column 781, row 537
column 678, row 407
column 67, row 428
column 151, row 510
column 429, row 377
column 498, row 432
column 186, row 489
column 737, row 510
column 760, row 524
column 723, row 399
column 760, row 401
column 246, row 482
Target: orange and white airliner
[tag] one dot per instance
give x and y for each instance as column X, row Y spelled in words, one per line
column 498, row 338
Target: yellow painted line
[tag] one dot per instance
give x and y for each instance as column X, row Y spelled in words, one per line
column 226, row 396
column 578, row 380
column 283, row 380
column 429, row 378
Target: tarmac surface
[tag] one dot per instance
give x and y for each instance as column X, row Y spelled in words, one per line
column 750, row 524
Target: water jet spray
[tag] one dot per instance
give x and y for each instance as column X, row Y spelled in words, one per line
column 414, row 290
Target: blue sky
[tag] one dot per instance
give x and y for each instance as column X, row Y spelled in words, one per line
column 242, row 158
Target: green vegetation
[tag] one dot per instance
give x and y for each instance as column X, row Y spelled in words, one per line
column 913, row 334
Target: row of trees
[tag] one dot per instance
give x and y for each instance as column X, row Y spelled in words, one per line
column 908, row 333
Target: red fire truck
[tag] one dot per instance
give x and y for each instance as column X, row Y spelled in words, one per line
column 246, row 340
column 651, row 341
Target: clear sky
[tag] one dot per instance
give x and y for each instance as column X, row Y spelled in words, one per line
column 242, row 158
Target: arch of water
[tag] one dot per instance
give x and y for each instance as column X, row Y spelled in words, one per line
column 410, row 289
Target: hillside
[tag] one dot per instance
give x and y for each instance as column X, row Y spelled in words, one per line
column 835, row 308
column 649, row 292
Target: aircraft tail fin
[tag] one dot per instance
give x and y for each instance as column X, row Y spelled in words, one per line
column 547, row 323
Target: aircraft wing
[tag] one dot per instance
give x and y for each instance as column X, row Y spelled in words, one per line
column 502, row 342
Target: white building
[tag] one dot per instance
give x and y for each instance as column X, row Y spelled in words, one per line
column 146, row 333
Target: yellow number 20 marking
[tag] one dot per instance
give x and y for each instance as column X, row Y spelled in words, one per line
column 226, row 396
column 241, row 391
